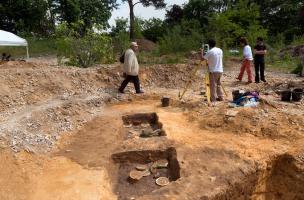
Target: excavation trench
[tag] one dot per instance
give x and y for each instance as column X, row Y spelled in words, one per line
column 143, row 125
column 149, row 166
column 282, row 179
column 126, row 188
column 96, row 164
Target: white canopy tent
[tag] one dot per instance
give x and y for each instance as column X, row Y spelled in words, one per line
column 10, row 39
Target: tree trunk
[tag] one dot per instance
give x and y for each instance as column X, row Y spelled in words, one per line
column 52, row 16
column 132, row 20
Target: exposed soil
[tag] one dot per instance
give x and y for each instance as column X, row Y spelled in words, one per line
column 65, row 133
column 126, row 188
column 143, row 125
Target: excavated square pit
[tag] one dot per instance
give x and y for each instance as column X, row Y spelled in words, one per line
column 127, row 188
column 143, row 125
column 282, row 179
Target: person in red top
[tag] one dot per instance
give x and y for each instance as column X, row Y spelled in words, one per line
column 259, row 60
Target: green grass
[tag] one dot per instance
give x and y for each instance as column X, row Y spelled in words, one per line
column 283, row 65
column 37, row 47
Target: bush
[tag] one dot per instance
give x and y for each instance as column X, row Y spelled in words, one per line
column 83, row 50
column 241, row 20
column 122, row 42
column 181, row 38
column 298, row 69
column 153, row 29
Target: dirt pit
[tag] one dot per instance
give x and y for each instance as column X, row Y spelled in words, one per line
column 282, row 179
column 143, row 125
column 128, row 188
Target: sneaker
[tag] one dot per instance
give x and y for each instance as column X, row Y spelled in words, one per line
column 257, row 82
column 237, row 78
column 249, row 82
column 264, row 81
column 140, row 92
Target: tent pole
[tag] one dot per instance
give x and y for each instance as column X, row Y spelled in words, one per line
column 27, row 53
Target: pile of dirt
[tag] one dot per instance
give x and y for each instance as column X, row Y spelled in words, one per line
column 23, row 84
column 169, row 76
column 14, row 64
column 267, row 122
column 145, row 45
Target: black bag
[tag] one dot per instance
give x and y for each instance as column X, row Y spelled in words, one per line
column 122, row 58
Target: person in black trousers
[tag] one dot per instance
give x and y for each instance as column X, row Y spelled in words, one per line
column 131, row 69
column 134, row 80
column 259, row 60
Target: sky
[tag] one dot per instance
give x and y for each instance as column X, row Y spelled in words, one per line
column 140, row 11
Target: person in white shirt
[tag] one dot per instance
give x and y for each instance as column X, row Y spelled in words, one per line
column 247, row 60
column 214, row 58
column 131, row 69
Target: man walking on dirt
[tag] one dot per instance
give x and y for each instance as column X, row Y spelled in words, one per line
column 214, row 58
column 259, row 61
column 131, row 69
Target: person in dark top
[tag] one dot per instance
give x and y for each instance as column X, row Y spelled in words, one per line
column 259, row 60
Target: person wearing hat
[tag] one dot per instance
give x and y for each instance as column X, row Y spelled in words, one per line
column 131, row 69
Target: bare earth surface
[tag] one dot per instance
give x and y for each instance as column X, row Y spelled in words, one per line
column 62, row 136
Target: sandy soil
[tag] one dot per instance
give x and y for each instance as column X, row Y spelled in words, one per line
column 60, row 127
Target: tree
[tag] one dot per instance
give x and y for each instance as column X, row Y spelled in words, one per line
column 174, row 15
column 82, row 51
column 23, row 16
column 93, row 13
column 96, row 12
column 281, row 17
column 158, row 4
column 67, row 10
column 202, row 9
column 153, row 29
column 237, row 21
column 121, row 26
